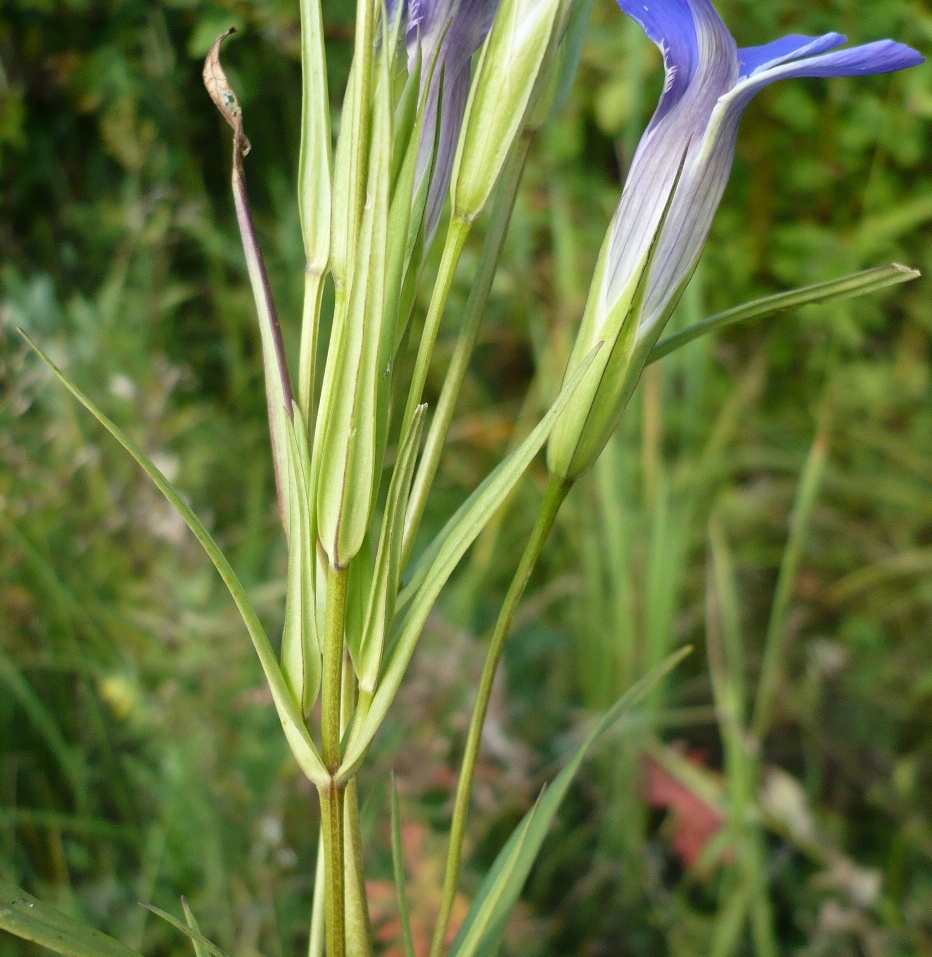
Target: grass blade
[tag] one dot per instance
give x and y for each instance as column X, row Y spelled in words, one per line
column 298, row 737
column 28, row 918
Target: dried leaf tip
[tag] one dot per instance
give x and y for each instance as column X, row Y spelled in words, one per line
column 218, row 86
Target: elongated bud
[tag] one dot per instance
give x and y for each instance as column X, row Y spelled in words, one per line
column 508, row 68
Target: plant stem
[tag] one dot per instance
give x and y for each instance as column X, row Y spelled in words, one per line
column 553, row 499
column 331, row 814
column 331, row 692
column 332, row 794
column 452, row 250
column 504, row 204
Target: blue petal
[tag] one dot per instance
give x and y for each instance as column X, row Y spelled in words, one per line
column 461, row 25
column 455, row 95
column 883, row 56
column 689, row 34
column 792, row 47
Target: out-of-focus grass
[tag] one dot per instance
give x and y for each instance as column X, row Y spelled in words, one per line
column 139, row 760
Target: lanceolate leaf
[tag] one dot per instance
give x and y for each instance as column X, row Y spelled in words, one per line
column 301, row 661
column 847, row 287
column 26, row 917
column 297, row 734
column 481, row 933
column 459, row 533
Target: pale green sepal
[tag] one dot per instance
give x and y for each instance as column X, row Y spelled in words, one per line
column 578, row 436
column 342, row 229
column 405, row 220
column 833, row 290
column 348, row 463
column 449, row 547
column 407, row 115
column 590, row 418
column 381, row 605
column 199, row 949
column 300, row 651
column 484, row 927
column 194, row 935
column 351, row 174
column 28, row 918
column 314, row 189
column 299, row 739
column 498, row 100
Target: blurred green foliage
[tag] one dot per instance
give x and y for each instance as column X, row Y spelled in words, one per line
column 139, row 760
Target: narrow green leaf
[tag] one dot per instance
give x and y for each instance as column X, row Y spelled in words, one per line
column 300, row 651
column 28, row 918
column 199, row 949
column 847, row 287
column 401, row 880
column 484, row 926
column 296, row 732
column 381, row 606
column 449, row 547
column 191, row 932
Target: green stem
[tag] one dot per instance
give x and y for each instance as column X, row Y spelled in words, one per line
column 503, row 206
column 553, row 499
column 331, row 693
column 331, row 814
column 332, row 794
column 452, row 250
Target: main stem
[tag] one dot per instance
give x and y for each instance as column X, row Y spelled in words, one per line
column 553, row 499
column 331, row 815
column 332, row 795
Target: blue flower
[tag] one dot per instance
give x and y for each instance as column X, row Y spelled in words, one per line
column 448, row 32
column 677, row 178
column 692, row 136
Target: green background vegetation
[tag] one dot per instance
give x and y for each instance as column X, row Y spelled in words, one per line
column 139, row 756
